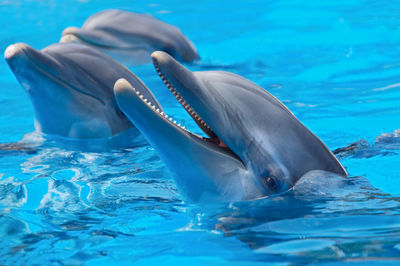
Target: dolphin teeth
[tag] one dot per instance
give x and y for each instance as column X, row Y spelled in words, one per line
column 185, row 105
column 158, row 110
column 141, row 96
column 170, row 119
column 137, row 92
column 162, row 113
column 179, row 124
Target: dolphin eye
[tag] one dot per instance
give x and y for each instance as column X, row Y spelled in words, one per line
column 271, row 183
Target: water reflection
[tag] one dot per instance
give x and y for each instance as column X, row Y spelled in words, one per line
column 80, row 203
column 385, row 144
column 325, row 217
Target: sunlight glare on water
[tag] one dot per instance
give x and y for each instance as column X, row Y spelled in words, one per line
column 334, row 64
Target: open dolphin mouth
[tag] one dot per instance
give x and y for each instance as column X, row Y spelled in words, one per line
column 199, row 121
column 212, row 136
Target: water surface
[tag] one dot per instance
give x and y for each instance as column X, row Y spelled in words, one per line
column 335, row 64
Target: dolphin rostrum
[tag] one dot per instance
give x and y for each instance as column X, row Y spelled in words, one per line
column 71, row 89
column 131, row 37
column 255, row 146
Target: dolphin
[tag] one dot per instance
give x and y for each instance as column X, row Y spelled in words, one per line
column 71, row 89
column 255, row 146
column 131, row 37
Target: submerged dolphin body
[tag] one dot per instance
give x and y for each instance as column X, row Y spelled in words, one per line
column 131, row 37
column 71, row 89
column 256, row 146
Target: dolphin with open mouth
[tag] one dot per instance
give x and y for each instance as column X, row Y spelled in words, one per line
column 71, row 89
column 131, row 37
column 255, row 146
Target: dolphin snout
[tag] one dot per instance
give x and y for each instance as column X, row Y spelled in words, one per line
column 169, row 66
column 160, row 57
column 122, row 86
column 70, row 30
column 24, row 59
column 10, row 52
column 14, row 49
column 69, row 38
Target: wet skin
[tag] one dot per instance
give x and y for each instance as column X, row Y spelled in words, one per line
column 131, row 37
column 255, row 146
column 71, row 89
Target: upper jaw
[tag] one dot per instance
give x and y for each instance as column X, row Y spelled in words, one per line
column 173, row 75
column 28, row 64
column 152, row 121
column 20, row 53
column 100, row 39
column 184, row 85
column 74, row 34
column 155, row 120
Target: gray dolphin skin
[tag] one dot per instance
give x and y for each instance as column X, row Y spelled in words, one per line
column 71, row 89
column 131, row 37
column 255, row 146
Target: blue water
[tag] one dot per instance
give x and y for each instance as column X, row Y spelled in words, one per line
column 335, row 64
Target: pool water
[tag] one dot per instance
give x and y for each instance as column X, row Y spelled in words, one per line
column 334, row 64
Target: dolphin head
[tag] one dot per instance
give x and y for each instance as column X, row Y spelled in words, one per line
column 255, row 146
column 131, row 36
column 70, row 87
